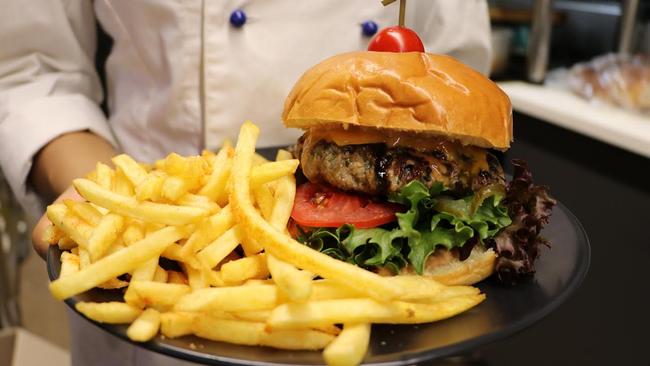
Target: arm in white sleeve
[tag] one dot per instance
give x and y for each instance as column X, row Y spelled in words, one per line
column 48, row 83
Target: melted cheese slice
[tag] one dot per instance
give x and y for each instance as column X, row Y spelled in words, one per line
column 471, row 158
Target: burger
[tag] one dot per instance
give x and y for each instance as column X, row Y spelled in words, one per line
column 401, row 172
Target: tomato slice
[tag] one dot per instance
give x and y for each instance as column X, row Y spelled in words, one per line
column 322, row 206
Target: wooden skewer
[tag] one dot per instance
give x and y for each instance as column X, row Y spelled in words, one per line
column 402, row 12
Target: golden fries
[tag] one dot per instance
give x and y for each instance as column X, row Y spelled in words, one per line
column 238, row 276
column 133, row 171
column 216, row 251
column 104, row 235
column 254, row 334
column 130, row 207
column 109, row 312
column 161, row 296
column 294, row 284
column 349, row 347
column 230, row 299
column 240, row 270
column 295, row 315
column 177, row 324
column 116, row 264
column 145, row 327
column 69, row 264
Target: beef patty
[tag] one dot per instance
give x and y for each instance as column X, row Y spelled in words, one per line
column 377, row 169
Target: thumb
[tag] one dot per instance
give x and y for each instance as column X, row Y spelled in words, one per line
column 39, row 244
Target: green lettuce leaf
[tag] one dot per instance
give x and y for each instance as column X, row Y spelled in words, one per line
column 432, row 219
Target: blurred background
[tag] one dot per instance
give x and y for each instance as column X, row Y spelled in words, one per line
column 578, row 74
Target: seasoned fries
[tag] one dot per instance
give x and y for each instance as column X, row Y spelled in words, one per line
column 238, row 276
column 349, row 347
column 145, row 326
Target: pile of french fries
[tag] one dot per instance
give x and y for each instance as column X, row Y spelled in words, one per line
column 232, row 273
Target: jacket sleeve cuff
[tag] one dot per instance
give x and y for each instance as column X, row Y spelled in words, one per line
column 28, row 127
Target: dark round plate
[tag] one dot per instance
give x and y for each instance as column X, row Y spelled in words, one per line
column 507, row 310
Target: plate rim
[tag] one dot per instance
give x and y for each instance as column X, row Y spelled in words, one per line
column 416, row 357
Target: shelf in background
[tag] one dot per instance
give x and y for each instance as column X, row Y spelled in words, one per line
column 609, row 124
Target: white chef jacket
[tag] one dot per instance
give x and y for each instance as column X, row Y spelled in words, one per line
column 180, row 77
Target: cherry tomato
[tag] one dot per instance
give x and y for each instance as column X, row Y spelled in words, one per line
column 396, row 39
column 321, row 206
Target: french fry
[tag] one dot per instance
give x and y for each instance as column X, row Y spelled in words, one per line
column 230, row 299
column 85, row 210
column 190, row 169
column 349, row 348
column 150, row 227
column 329, row 329
column 175, row 277
column 231, row 331
column 151, row 187
column 113, row 284
column 264, row 199
column 177, row 324
column 160, row 275
column 240, row 270
column 208, row 231
column 84, row 258
column 214, row 278
column 221, row 166
column 268, row 172
column 66, row 243
column 287, row 249
column 296, row 339
column 259, row 160
column 69, row 264
column 108, row 312
column 69, row 223
column 104, row 235
column 133, row 171
column 145, row 327
column 253, row 315
column 173, row 188
column 250, row 245
column 216, row 251
column 195, row 278
column 104, row 176
column 173, row 252
column 118, row 244
column 133, row 232
column 52, row 234
column 301, row 315
column 207, row 154
column 195, row 200
column 130, row 207
column 116, row 264
column 263, row 315
column 252, row 334
column 146, row 271
column 294, row 284
column 122, row 185
column 160, row 296
column 416, row 289
column 257, row 282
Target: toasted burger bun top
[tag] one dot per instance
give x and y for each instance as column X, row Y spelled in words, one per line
column 413, row 92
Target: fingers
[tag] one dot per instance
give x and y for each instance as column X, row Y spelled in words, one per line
column 40, row 246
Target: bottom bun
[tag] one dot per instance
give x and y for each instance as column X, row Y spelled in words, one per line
column 444, row 267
